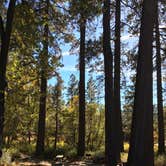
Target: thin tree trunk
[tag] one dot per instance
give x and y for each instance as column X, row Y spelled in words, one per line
column 141, row 141
column 117, row 99
column 43, row 90
column 81, row 134
column 110, row 157
column 161, row 146
column 56, row 131
column 5, row 33
column 29, row 137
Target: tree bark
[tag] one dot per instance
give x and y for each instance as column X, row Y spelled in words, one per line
column 81, row 134
column 5, row 33
column 117, row 99
column 110, row 156
column 42, row 116
column 141, row 141
column 43, row 89
column 161, row 139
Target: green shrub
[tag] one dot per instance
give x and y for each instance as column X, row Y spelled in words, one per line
column 6, row 157
column 71, row 153
column 26, row 148
column 160, row 160
column 49, row 153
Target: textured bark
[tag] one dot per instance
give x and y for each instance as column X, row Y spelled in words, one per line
column 117, row 98
column 43, row 91
column 161, row 146
column 42, row 116
column 5, row 33
column 81, row 134
column 141, row 142
column 110, row 156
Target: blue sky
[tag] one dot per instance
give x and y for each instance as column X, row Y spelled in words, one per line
column 70, row 60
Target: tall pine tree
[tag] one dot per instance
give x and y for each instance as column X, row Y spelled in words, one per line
column 141, row 141
column 5, row 33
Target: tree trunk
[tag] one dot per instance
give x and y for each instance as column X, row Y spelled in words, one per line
column 117, row 99
column 5, row 33
column 81, row 134
column 110, row 157
column 56, row 131
column 43, row 89
column 42, row 116
column 29, row 137
column 141, row 141
column 161, row 146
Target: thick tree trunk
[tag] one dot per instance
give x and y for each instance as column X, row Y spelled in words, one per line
column 161, row 146
column 117, row 99
column 42, row 116
column 5, row 33
column 81, row 134
column 43, row 90
column 110, row 156
column 141, row 142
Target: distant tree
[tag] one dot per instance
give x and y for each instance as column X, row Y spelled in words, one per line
column 72, row 108
column 91, row 110
column 72, row 89
column 91, row 90
column 57, row 99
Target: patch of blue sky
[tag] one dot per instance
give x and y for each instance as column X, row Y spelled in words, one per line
column 70, row 60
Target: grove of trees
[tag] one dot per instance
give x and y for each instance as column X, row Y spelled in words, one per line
column 113, row 108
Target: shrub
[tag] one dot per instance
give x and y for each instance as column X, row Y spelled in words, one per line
column 160, row 160
column 6, row 157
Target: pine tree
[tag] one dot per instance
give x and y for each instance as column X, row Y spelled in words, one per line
column 72, row 87
column 110, row 157
column 161, row 142
column 43, row 86
column 57, row 95
column 117, row 97
column 141, row 141
column 5, row 33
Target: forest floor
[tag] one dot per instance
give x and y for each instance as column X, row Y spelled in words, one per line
column 28, row 161
column 36, row 162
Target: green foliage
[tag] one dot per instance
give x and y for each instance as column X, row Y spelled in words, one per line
column 6, row 157
column 27, row 58
column 160, row 160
